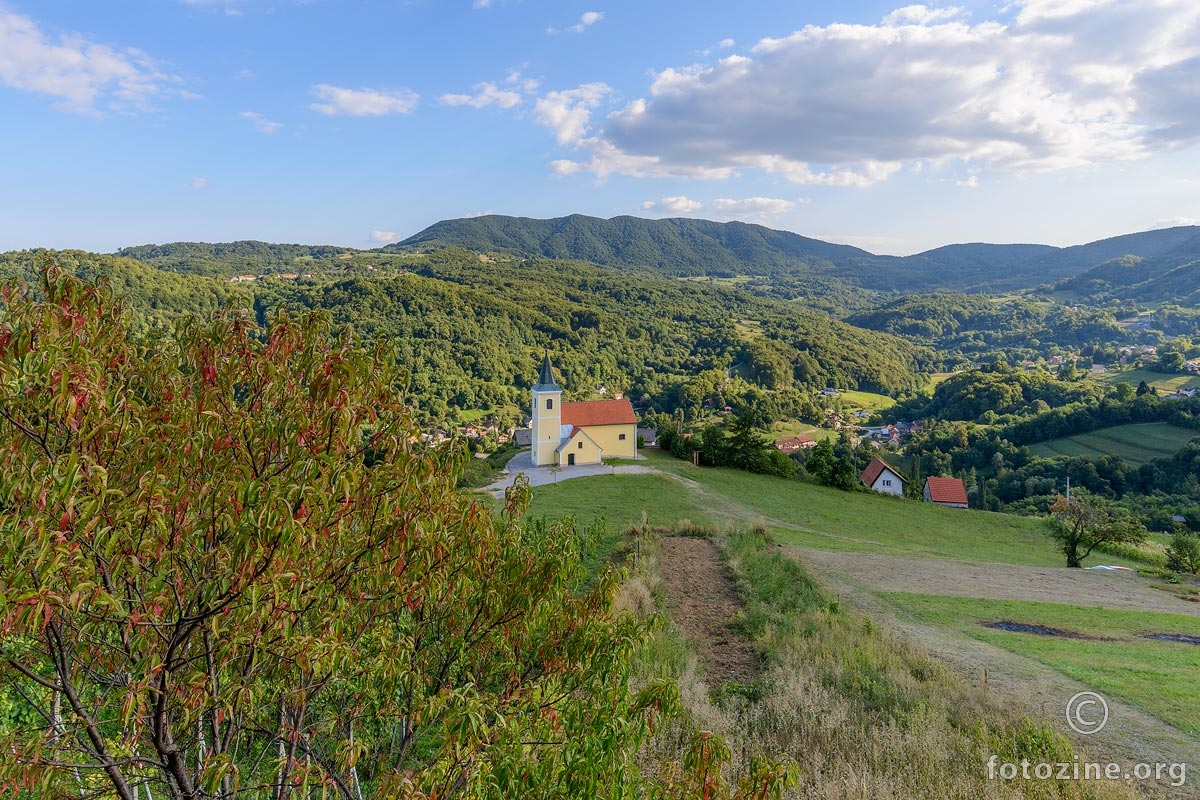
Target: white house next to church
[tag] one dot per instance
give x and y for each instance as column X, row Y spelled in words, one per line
column 567, row 434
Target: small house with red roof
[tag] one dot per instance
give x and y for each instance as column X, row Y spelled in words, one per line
column 879, row 476
column 949, row 492
column 588, row 432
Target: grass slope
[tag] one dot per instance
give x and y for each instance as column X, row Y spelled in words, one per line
column 1157, row 676
column 801, row 514
column 1136, row 444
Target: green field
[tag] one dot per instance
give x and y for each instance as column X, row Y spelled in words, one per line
column 1157, row 676
column 801, row 514
column 786, row 430
column 1136, row 444
column 1159, row 380
column 867, row 400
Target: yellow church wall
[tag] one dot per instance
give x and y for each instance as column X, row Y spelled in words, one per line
column 586, row 451
column 609, row 439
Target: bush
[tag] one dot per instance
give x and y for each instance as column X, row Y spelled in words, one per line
column 1183, row 554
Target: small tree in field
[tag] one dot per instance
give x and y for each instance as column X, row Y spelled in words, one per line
column 1083, row 523
column 228, row 570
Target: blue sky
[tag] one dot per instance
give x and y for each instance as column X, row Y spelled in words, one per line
column 896, row 128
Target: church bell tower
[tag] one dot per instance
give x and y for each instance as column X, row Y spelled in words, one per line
column 547, row 417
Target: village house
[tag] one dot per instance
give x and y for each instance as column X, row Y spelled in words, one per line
column 795, row 444
column 880, row 477
column 949, row 492
column 569, row 434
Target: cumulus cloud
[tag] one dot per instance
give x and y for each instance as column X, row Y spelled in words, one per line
column 363, row 102
column 568, row 112
column 749, row 208
column 586, row 20
column 753, row 206
column 673, row 205
column 1050, row 84
column 84, row 76
column 485, row 94
column 261, row 123
column 386, row 237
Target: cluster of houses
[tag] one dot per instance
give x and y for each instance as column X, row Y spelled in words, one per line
column 879, row 476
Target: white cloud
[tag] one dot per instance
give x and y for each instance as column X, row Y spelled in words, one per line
column 1174, row 222
column 921, row 15
column 673, row 205
column 84, row 76
column 363, row 102
column 486, row 94
column 970, row 182
column 261, row 123
column 476, row 214
column 753, row 206
column 586, row 20
column 199, row 183
column 481, row 4
column 386, row 237
column 567, row 113
column 1051, row 84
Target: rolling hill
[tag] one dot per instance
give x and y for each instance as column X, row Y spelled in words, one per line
column 692, row 247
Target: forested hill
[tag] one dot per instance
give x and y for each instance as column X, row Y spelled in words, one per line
column 796, row 265
column 677, row 246
column 472, row 330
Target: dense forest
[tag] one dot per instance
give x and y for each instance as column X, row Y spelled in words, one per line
column 471, row 329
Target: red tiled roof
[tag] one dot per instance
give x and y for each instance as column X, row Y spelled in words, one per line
column 598, row 412
column 873, row 470
column 793, row 444
column 946, row 490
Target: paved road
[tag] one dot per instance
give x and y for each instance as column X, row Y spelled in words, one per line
column 521, row 463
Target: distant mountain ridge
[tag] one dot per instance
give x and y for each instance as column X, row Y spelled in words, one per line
column 686, row 247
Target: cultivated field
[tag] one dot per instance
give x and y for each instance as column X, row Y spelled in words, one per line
column 1135, row 444
column 1158, row 380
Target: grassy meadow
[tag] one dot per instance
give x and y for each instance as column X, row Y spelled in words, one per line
column 801, row 514
column 1161, row 381
column 1117, row 660
column 1136, row 444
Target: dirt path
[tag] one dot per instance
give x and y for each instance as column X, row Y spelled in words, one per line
column 703, row 601
column 1131, row 737
column 990, row 581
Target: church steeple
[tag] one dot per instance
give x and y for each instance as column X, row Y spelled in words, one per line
column 546, row 379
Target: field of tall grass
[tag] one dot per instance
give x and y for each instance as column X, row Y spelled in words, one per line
column 862, row 714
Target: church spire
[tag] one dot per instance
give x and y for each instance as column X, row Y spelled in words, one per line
column 546, row 379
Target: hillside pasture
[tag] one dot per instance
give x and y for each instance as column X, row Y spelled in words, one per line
column 1163, row 382
column 1107, row 649
column 802, row 514
column 1135, row 444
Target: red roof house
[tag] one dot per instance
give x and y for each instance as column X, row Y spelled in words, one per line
column 949, row 492
column 795, row 443
column 880, row 477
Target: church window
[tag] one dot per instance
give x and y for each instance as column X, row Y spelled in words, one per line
column 580, row 445
column 549, row 403
column 621, row 437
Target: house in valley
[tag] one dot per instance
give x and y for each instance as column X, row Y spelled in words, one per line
column 949, row 492
column 795, row 444
column 567, row 434
column 879, row 476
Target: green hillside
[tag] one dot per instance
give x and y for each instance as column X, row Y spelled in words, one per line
column 797, row 265
column 1136, row 444
column 472, row 331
